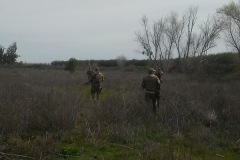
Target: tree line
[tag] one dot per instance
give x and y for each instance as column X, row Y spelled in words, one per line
column 172, row 35
column 183, row 37
column 102, row 63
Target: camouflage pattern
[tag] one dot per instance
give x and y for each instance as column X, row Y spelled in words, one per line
column 96, row 86
column 159, row 74
column 90, row 74
column 151, row 84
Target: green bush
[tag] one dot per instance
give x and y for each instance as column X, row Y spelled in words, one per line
column 71, row 65
column 224, row 58
column 10, row 56
column 221, row 64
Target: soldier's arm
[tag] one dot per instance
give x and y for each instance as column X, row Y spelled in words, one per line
column 158, row 83
column 102, row 77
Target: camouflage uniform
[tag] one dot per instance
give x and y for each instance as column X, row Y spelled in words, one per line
column 159, row 73
column 90, row 74
column 151, row 84
column 96, row 81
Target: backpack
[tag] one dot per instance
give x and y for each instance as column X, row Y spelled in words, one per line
column 98, row 78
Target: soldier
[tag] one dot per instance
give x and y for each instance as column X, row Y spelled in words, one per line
column 96, row 81
column 159, row 73
column 151, row 84
column 90, row 73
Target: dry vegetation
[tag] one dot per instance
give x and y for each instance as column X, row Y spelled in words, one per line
column 48, row 114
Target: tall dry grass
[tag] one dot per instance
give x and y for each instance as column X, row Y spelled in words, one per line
column 38, row 107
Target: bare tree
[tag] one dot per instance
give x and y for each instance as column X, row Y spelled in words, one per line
column 144, row 38
column 151, row 39
column 171, row 30
column 191, row 18
column 231, row 14
column 209, row 33
column 184, row 35
column 180, row 35
column 196, row 44
column 198, row 40
column 158, row 38
column 179, row 27
column 121, row 60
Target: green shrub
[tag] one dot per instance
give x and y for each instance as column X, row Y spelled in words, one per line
column 224, row 58
column 219, row 64
column 71, row 65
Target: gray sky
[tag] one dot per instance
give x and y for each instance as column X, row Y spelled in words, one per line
column 48, row 30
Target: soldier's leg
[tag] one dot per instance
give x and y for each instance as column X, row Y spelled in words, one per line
column 93, row 93
column 158, row 98
column 158, row 102
column 98, row 91
column 93, row 96
column 97, row 95
column 148, row 100
column 154, row 103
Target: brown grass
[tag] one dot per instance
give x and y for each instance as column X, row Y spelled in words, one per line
column 39, row 106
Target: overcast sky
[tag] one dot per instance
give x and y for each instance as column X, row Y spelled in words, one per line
column 48, row 30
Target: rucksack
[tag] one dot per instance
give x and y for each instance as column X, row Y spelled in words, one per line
column 97, row 78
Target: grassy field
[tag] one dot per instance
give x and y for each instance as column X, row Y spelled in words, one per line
column 48, row 114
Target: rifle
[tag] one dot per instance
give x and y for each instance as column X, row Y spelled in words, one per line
column 90, row 81
column 86, row 83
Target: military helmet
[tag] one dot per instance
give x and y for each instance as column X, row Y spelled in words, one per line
column 151, row 70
